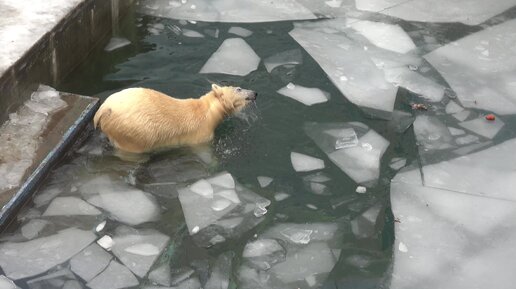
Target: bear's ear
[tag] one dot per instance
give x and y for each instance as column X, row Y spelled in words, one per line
column 217, row 89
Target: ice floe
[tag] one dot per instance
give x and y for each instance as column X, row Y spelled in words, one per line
column 453, row 107
column 5, row 283
column 114, row 277
column 432, row 134
column 483, row 127
column 360, row 162
column 386, row 36
column 264, row 181
column 244, row 11
column 192, row 33
column 263, row 253
column 479, row 80
column 293, row 56
column 226, row 213
column 242, row 32
column 161, row 275
column 415, row 82
column 305, row 163
column 220, row 272
column 305, row 95
column 26, row 259
column 234, row 56
column 90, row 262
column 32, row 229
column 138, row 249
column 67, row 206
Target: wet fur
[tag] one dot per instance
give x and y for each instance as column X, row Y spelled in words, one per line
column 141, row 120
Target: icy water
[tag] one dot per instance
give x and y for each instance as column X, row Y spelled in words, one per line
column 296, row 191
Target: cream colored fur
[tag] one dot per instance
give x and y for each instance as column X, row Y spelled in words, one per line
column 141, row 120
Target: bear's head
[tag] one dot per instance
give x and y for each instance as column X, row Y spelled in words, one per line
column 233, row 99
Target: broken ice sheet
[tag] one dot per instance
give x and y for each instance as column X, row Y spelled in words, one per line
column 234, row 56
column 192, row 33
column 347, row 65
column 366, row 225
column 306, row 95
column 243, row 11
column 116, row 43
column 124, row 203
column 264, row 181
column 138, row 249
column 415, row 82
column 401, row 121
column 263, row 253
column 54, row 280
column 68, row 206
column 453, row 107
column 484, row 127
column 398, row 163
column 386, row 36
column 32, row 229
column 242, row 32
column 293, row 56
column 470, row 12
column 305, row 163
column 5, row 283
column 362, row 162
column 114, row 277
column 431, row 133
column 458, row 221
column 220, row 272
column 161, row 275
column 229, row 213
column 479, row 80
column 25, row 259
column 90, row 262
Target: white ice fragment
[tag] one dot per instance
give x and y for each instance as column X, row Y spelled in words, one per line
column 455, row 131
column 45, row 196
column 264, row 181
column 243, row 11
column 333, row 4
column 195, row 230
column 138, row 249
column 386, row 36
column 234, row 56
column 25, row 259
column 397, row 163
column 305, row 95
column 68, row 206
column 467, row 139
column 318, row 188
column 462, row 116
column 242, row 32
column 291, row 85
column 261, row 247
column 90, row 262
column 481, row 82
column 293, row 56
column 346, row 138
column 361, row 190
column 224, row 180
column 484, row 127
column 402, row 247
column 161, row 275
column 305, row 163
column 32, row 229
column 221, row 204
column 100, row 226
column 105, row 242
column 453, row 107
column 311, row 206
column 260, row 208
column 202, row 188
column 116, row 43
column 192, row 33
column 311, row 280
column 415, row 82
column 297, row 236
column 143, row 249
column 281, row 196
column 431, row 133
column 229, row 195
column 115, row 276
column 220, row 272
column 6, row 283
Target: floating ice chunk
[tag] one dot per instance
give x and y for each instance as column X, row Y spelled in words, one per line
column 263, row 253
column 361, row 190
column 45, row 196
column 242, row 32
column 397, row 163
column 462, row 116
column 415, row 82
column 228, row 195
column 138, row 249
column 318, row 188
column 364, row 84
column 358, row 261
column 116, row 43
column 346, row 138
column 297, row 236
column 305, row 95
column 90, row 262
column 192, row 33
column 114, row 277
column 293, row 56
column 365, row 225
column 54, row 280
column 67, row 206
column 264, row 181
column 431, row 133
column 333, row 4
column 161, row 275
column 467, row 139
column 281, row 196
column 484, row 127
column 220, row 273
column 305, row 163
column 224, row 180
column 386, row 36
column 402, row 247
column 5, row 283
column 203, row 188
column 488, row 172
column 481, row 81
column 100, row 226
column 244, row 11
column 470, row 12
column 25, row 259
column 126, row 204
column 234, row 57
column 105, row 242
column 453, row 107
column 455, row 131
column 362, row 162
column 221, row 204
column 32, row 229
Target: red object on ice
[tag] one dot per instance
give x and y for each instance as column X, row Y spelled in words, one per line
column 490, row 117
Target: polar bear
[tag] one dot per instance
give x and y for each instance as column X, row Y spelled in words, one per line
column 139, row 120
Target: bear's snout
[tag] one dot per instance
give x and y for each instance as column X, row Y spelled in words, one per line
column 252, row 96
